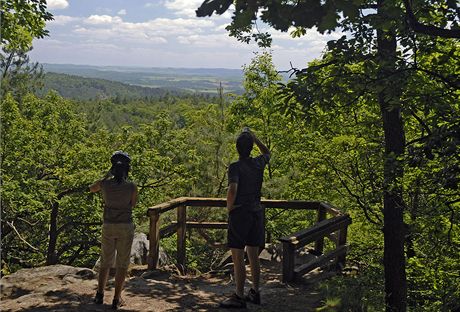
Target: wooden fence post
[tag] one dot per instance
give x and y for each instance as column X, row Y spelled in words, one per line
column 181, row 237
column 341, row 241
column 319, row 244
column 154, row 240
column 288, row 262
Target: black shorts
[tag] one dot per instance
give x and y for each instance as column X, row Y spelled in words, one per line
column 245, row 228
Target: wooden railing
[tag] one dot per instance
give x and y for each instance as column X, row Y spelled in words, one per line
column 324, row 227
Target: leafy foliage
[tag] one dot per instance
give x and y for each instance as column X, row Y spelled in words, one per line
column 21, row 21
column 365, row 97
column 324, row 127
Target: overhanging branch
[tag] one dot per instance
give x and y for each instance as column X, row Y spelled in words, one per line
column 428, row 29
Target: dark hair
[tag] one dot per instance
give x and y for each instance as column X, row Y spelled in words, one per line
column 120, row 165
column 120, row 171
column 244, row 144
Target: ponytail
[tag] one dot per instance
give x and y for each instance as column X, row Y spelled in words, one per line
column 120, row 172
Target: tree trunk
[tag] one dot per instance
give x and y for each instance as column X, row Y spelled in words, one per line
column 394, row 231
column 51, row 254
column 51, row 257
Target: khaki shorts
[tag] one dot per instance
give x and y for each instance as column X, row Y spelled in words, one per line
column 119, row 237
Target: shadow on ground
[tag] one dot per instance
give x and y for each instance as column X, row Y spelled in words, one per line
column 163, row 290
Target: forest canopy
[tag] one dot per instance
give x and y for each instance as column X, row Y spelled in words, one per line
column 371, row 127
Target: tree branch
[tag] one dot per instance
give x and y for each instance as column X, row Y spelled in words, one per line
column 208, row 239
column 11, row 225
column 357, row 197
column 428, row 29
column 421, row 122
column 63, row 227
column 158, row 182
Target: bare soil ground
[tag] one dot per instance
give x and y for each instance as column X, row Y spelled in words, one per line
column 64, row 288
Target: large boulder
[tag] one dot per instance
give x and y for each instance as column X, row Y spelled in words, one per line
column 271, row 253
column 41, row 280
column 139, row 249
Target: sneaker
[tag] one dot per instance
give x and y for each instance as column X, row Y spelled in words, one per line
column 253, row 296
column 116, row 303
column 99, row 298
column 233, row 302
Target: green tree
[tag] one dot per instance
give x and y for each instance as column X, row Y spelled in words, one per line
column 44, row 166
column 18, row 75
column 257, row 106
column 376, row 29
column 21, row 21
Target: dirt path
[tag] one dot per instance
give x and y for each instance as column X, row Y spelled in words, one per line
column 62, row 288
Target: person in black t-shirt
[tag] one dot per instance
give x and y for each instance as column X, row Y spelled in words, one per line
column 245, row 220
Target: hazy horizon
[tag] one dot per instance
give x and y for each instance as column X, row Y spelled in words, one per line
column 139, row 66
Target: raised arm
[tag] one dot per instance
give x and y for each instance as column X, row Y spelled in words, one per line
column 262, row 148
column 96, row 186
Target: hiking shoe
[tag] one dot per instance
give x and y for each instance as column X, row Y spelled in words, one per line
column 253, row 296
column 116, row 303
column 233, row 302
column 99, row 298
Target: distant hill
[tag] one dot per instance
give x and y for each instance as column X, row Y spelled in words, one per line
column 202, row 80
column 80, row 88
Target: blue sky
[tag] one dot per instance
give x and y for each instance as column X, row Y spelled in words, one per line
column 157, row 33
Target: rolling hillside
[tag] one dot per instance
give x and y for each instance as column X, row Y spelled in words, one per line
column 201, row 80
column 80, row 88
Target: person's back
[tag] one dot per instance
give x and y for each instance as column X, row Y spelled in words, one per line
column 120, row 197
column 117, row 200
column 246, row 216
column 248, row 173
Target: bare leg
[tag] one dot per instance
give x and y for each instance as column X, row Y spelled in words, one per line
column 120, row 275
column 253, row 255
column 102, row 279
column 239, row 270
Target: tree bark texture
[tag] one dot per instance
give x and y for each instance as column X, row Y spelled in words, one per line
column 394, row 231
column 53, row 235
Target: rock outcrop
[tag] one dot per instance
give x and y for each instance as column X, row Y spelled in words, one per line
column 63, row 288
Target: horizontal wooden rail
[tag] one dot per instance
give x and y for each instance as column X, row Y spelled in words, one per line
column 324, row 228
column 221, row 202
column 195, row 225
column 330, row 209
column 320, row 229
column 320, row 261
column 334, row 228
column 168, row 230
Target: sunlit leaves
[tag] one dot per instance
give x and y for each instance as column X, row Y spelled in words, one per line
column 21, row 21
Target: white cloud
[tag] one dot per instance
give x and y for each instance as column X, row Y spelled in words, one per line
column 102, row 20
column 57, row 4
column 212, row 41
column 106, row 28
column 183, row 7
column 120, row 35
column 159, row 27
column 63, row 19
column 183, row 40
